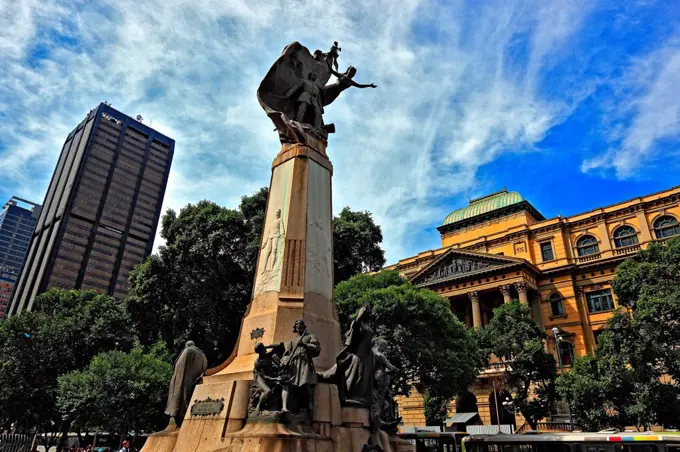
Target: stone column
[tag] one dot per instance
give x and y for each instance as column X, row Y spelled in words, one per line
column 505, row 290
column 294, row 278
column 522, row 291
column 476, row 311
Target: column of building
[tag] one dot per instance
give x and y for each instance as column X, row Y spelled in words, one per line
column 505, row 289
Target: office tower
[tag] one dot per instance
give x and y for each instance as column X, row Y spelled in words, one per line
column 101, row 210
column 16, row 228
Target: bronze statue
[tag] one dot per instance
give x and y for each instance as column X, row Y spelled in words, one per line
column 294, row 92
column 353, row 369
column 267, row 378
column 384, row 409
column 332, row 55
column 189, row 368
column 298, row 366
column 309, row 105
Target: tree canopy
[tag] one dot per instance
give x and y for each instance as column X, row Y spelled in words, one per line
column 513, row 336
column 632, row 378
column 425, row 341
column 119, row 391
column 199, row 284
column 63, row 332
column 356, row 245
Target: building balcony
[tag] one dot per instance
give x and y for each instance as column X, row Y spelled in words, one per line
column 495, row 367
column 589, row 258
column 632, row 249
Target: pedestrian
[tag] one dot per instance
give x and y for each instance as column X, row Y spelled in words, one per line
column 126, row 446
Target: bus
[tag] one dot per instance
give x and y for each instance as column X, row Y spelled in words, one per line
column 435, row 441
column 574, row 442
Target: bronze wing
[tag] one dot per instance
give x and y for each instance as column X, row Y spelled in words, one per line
column 294, row 65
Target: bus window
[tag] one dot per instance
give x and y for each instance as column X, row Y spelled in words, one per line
column 673, row 448
column 519, row 447
column 636, row 448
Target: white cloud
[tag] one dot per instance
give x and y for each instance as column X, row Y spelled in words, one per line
column 647, row 113
column 450, row 95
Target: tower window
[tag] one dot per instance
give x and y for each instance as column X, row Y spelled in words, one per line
column 556, row 305
column 666, row 226
column 587, row 245
column 566, row 353
column 547, row 251
column 625, row 236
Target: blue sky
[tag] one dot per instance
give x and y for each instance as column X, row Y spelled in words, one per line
column 574, row 104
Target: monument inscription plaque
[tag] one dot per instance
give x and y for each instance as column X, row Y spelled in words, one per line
column 207, row 407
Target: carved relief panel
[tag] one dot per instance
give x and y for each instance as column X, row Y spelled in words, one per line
column 275, row 227
column 455, row 266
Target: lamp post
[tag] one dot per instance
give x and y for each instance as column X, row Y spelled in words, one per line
column 558, row 340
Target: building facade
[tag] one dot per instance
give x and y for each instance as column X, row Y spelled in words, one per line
column 17, row 222
column 500, row 248
column 101, row 210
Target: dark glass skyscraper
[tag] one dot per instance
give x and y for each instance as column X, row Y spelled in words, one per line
column 101, row 210
column 16, row 228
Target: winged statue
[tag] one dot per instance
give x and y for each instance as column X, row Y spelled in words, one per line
column 295, row 91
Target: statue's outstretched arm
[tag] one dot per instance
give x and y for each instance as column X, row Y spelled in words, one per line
column 351, row 81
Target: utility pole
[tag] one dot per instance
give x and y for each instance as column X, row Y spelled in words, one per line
column 558, row 340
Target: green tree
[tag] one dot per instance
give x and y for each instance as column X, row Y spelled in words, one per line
column 199, row 284
column 63, row 332
column 119, row 391
column 425, row 341
column 588, row 392
column 638, row 350
column 514, row 337
column 356, row 245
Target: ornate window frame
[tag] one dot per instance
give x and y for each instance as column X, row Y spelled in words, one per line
column 578, row 247
column 655, row 229
column 556, row 299
column 634, row 236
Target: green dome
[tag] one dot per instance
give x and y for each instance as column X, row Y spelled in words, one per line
column 484, row 204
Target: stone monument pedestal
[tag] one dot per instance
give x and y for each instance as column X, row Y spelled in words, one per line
column 293, row 280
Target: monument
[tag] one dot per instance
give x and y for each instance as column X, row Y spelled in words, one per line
column 305, row 391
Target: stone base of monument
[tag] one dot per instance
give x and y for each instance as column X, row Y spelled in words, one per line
column 333, row 428
column 163, row 441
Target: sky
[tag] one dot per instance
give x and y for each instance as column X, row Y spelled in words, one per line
column 573, row 104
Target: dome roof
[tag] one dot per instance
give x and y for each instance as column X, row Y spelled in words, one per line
column 484, row 204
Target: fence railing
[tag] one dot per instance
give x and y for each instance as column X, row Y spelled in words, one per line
column 15, row 442
column 546, row 427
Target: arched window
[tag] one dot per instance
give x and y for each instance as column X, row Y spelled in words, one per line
column 587, row 245
column 556, row 305
column 566, row 353
column 666, row 226
column 625, row 236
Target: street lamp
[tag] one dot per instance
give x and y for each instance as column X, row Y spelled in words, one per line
column 558, row 340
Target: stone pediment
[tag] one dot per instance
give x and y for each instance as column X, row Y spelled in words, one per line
column 456, row 264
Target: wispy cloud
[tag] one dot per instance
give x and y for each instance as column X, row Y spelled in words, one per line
column 459, row 85
column 647, row 112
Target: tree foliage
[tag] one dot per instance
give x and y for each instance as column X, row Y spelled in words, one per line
column 65, row 330
column 514, row 337
column 637, row 361
column 119, row 391
column 199, row 284
column 425, row 341
column 356, row 245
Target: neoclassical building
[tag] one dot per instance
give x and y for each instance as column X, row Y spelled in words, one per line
column 500, row 248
